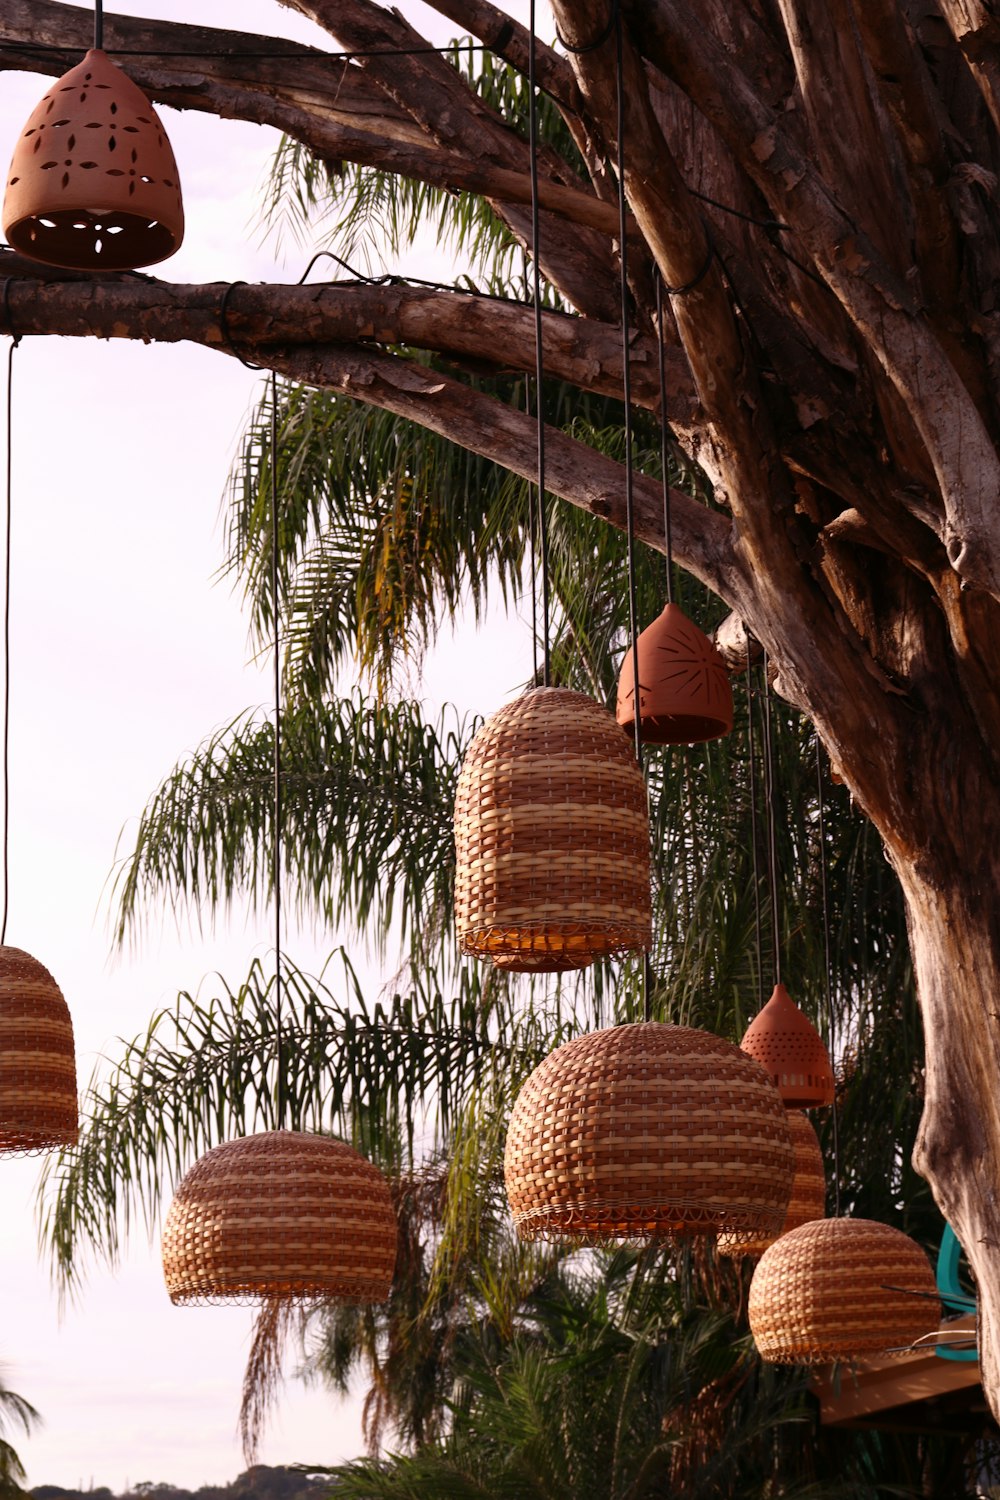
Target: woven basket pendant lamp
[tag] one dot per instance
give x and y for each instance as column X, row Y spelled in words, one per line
column 841, row 1289
column 791, row 1049
column 647, row 1132
column 38, row 1104
column 280, row 1215
column 93, row 184
column 684, row 691
column 551, row 837
column 808, row 1200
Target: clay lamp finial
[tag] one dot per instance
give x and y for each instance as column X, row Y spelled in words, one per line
column 93, row 184
column 788, row 1045
column 684, row 692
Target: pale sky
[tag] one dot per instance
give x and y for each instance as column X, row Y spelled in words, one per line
column 125, row 654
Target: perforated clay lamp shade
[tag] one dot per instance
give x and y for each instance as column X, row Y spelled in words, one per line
column 551, row 837
column 791, row 1049
column 38, row 1103
column 822, row 1293
column 808, row 1200
column 280, row 1215
column 93, row 184
column 684, row 691
column 647, row 1132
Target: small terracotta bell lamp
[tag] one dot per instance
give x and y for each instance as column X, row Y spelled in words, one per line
column 93, row 184
column 791, row 1049
column 684, row 692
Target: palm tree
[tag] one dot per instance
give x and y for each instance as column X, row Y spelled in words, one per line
column 15, row 1412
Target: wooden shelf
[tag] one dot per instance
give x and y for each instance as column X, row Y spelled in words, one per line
column 905, row 1390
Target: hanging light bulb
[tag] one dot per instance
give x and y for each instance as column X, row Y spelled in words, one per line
column 38, row 1103
column 840, row 1289
column 93, row 184
column 647, row 1131
column 684, row 691
column 791, row 1049
column 551, row 837
column 808, row 1200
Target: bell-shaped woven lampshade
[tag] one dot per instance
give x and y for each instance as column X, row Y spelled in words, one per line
column 38, row 1105
column 280, row 1215
column 551, row 837
column 791, row 1049
column 647, row 1131
column 824, row 1292
column 93, row 184
column 808, row 1200
column 684, row 691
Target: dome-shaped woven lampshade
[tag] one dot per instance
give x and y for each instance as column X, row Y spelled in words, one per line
column 647, row 1131
column 93, row 183
column 684, row 691
column 791, row 1049
column 38, row 1105
column 283, row 1215
column 808, row 1200
column 822, row 1293
column 551, row 837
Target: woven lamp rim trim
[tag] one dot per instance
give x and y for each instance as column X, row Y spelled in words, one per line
column 561, row 1224
column 47, row 1140
column 356, row 1296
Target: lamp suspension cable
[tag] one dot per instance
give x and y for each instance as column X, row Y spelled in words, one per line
column 633, row 609
column 828, row 974
column 532, row 512
column 543, row 535
column 99, row 25
column 664, row 445
column 772, row 848
column 15, row 340
column 752, row 767
column 275, row 605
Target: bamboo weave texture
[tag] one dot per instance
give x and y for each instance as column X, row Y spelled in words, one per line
column 38, row 1102
column 808, row 1200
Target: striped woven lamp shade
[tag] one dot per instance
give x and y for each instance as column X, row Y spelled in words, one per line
column 647, row 1132
column 280, row 1215
column 792, row 1050
column 551, row 837
column 808, row 1200
column 840, row 1289
column 684, row 691
column 38, row 1103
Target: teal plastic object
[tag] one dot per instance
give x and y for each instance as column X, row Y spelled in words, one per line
column 954, row 1297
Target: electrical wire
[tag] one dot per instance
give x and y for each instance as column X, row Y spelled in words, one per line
column 15, row 340
column 276, row 620
column 752, row 765
column 664, row 435
column 772, row 847
column 98, row 24
column 828, row 975
column 543, row 532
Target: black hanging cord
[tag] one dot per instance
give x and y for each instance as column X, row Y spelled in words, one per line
column 828, row 976
column 752, row 764
column 280, row 1092
column 543, row 536
column 98, row 24
column 633, row 608
column 532, row 515
column 15, row 340
column 664, row 443
column 772, row 847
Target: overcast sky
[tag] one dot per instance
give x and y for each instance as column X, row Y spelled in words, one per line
column 125, row 654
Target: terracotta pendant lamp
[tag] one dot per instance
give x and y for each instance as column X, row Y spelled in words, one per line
column 841, row 1289
column 93, row 185
column 283, row 1214
column 684, row 691
column 647, row 1132
column 551, row 837
column 788, row 1045
column 808, row 1200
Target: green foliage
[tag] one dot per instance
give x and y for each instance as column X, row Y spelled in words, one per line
column 16, row 1412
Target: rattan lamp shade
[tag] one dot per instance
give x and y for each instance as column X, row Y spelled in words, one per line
column 684, row 691
column 551, row 837
column 808, row 1200
column 93, row 184
column 823, row 1293
column 280, row 1215
column 791, row 1049
column 38, row 1104
column 647, row 1131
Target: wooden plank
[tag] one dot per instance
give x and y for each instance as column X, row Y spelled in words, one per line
column 847, row 1393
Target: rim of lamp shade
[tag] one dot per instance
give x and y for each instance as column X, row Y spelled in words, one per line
column 822, row 1293
column 551, row 837
column 684, row 692
column 785, row 1041
column 647, row 1131
column 282, row 1214
column 38, row 1099
column 808, row 1200
column 93, row 184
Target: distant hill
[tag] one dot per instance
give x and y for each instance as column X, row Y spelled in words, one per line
column 259, row 1483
